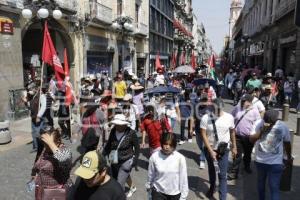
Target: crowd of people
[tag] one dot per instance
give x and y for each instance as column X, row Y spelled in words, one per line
column 121, row 116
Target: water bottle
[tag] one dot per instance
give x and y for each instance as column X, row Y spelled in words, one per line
column 30, row 186
column 216, row 164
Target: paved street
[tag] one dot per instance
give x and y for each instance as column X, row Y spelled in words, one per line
column 16, row 163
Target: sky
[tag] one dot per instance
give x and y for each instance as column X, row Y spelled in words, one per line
column 214, row 14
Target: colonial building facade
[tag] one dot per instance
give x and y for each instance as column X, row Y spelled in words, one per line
column 266, row 35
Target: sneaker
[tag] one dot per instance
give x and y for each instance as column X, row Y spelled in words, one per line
column 131, row 191
column 194, row 133
column 181, row 142
column 202, row 165
column 190, row 140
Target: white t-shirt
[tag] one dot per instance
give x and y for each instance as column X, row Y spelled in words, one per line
column 256, row 103
column 269, row 148
column 223, row 125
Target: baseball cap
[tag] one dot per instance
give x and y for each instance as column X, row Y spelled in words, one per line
column 89, row 166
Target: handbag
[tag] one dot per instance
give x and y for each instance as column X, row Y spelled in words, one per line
column 113, row 157
column 53, row 192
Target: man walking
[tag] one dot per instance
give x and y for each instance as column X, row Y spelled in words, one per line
column 245, row 117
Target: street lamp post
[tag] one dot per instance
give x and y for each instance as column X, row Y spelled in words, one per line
column 41, row 9
column 245, row 39
column 124, row 25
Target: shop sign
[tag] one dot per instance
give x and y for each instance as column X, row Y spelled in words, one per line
column 257, row 48
column 6, row 26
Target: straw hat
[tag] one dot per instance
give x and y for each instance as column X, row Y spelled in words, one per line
column 137, row 86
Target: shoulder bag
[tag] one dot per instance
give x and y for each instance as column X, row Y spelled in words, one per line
column 113, row 157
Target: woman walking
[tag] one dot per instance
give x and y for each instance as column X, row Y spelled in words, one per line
column 167, row 172
column 52, row 167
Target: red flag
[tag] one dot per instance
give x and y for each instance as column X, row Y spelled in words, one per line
column 182, row 60
column 157, row 62
column 193, row 61
column 69, row 95
column 212, row 61
column 50, row 57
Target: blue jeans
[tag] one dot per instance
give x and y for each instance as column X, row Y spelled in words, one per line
column 35, row 132
column 223, row 166
column 273, row 173
column 173, row 123
column 200, row 144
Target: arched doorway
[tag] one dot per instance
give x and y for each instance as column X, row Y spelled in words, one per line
column 32, row 44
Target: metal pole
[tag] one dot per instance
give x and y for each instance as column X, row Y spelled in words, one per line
column 285, row 112
column 298, row 124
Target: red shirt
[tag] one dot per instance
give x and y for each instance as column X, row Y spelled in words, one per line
column 153, row 129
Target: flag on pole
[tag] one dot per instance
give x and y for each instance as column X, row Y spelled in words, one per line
column 50, row 57
column 212, row 65
column 174, row 58
column 157, row 62
column 193, row 61
column 182, row 60
column 69, row 94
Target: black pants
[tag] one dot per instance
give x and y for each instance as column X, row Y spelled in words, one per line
column 49, row 116
column 160, row 196
column 182, row 129
column 65, row 125
column 244, row 146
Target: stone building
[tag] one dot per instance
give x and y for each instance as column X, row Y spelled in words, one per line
column 161, row 32
column 273, row 39
column 94, row 33
column 183, row 33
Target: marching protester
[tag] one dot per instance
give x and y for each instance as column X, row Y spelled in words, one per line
column 122, row 149
column 229, row 78
column 64, row 120
column 272, row 140
column 153, row 127
column 204, row 107
column 217, row 132
column 119, row 88
column 253, row 82
column 167, row 172
column 268, row 98
column 51, row 170
column 186, row 108
column 256, row 102
column 95, row 182
column 37, row 104
column 245, row 117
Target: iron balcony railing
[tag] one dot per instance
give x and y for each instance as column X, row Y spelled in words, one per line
column 284, row 8
column 70, row 6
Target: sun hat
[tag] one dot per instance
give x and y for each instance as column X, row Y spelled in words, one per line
column 90, row 165
column 137, row 86
column 127, row 97
column 269, row 75
column 120, row 119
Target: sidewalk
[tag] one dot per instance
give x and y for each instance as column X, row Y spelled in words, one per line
column 21, row 134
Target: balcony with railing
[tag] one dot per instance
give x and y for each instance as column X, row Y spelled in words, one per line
column 141, row 29
column 68, row 6
column 13, row 3
column 101, row 13
column 284, row 8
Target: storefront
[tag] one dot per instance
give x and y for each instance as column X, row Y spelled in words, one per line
column 164, row 60
column 288, row 53
column 99, row 55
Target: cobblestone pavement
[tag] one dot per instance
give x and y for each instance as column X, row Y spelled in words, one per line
column 16, row 165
